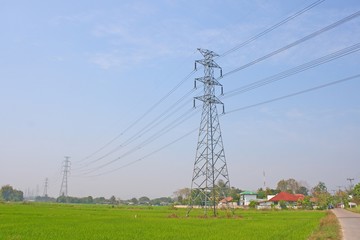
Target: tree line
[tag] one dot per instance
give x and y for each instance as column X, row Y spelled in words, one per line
column 182, row 196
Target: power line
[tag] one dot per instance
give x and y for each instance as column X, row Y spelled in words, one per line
column 160, row 133
column 284, row 74
column 303, row 67
column 230, row 112
column 141, row 117
column 146, row 129
column 307, row 8
column 188, row 76
column 310, row 36
column 312, row 5
column 152, row 124
column 295, row 94
column 147, row 155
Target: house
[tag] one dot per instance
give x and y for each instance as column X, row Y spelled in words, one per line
column 246, row 197
column 290, row 199
column 227, row 202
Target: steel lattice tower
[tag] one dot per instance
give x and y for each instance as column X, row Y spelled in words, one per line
column 210, row 176
column 66, row 172
column 46, row 185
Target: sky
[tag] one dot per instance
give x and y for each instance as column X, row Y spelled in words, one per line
column 111, row 85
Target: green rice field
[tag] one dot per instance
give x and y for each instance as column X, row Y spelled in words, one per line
column 65, row 221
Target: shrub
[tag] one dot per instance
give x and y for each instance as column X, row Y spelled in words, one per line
column 283, row 204
column 253, row 204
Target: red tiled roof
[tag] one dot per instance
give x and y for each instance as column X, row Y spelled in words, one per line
column 300, row 196
column 284, row 196
column 227, row 199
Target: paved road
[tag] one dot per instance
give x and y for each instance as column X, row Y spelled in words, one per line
column 350, row 223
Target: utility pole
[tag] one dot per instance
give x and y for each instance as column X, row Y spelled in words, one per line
column 66, row 172
column 210, row 175
column 339, row 187
column 45, row 187
column 350, row 180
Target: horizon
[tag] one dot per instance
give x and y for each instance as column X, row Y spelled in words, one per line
column 102, row 84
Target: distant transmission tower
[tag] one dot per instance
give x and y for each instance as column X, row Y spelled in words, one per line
column 210, row 176
column 66, row 172
column 46, row 185
column 264, row 180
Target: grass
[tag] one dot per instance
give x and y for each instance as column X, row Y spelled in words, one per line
column 355, row 210
column 57, row 221
column 329, row 228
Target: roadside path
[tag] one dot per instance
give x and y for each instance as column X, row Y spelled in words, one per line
column 350, row 223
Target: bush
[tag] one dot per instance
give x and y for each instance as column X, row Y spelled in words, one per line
column 283, row 204
column 253, row 204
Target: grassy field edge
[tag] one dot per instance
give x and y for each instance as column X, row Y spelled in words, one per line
column 329, row 228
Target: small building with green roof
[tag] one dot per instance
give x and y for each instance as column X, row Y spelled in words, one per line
column 246, row 197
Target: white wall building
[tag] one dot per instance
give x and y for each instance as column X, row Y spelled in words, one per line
column 246, row 197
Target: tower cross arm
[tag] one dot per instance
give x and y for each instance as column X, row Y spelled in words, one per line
column 209, row 63
column 209, row 99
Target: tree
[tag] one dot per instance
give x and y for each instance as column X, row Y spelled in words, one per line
column 89, row 200
column 235, row 193
column 319, row 189
column 112, row 200
column 270, row 191
column 290, row 185
column 261, row 194
column 356, row 191
column 293, row 185
column 61, row 199
column 44, row 199
column 100, row 200
column 322, row 195
column 144, row 200
column 10, row 194
column 161, row 201
column 303, row 190
column 182, row 195
column 306, row 203
column 134, row 201
column 282, row 185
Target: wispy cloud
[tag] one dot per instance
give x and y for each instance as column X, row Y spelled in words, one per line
column 117, row 59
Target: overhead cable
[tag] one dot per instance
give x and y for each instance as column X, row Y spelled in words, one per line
column 151, row 125
column 229, row 112
column 152, row 138
column 295, row 93
column 141, row 117
column 307, row 8
column 310, row 36
column 295, row 70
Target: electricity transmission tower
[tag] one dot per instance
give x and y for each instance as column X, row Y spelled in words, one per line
column 46, row 185
column 66, row 172
column 210, row 175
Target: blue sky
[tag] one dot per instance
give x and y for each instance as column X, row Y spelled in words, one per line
column 74, row 75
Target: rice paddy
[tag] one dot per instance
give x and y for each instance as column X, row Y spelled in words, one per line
column 65, row 221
